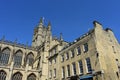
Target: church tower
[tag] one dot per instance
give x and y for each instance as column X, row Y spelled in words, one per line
column 41, row 34
column 41, row 40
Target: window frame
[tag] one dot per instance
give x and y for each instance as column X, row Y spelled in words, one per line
column 30, row 58
column 78, row 50
column 88, row 65
column 18, row 59
column 68, row 70
column 72, row 53
column 67, row 55
column 17, row 74
column 74, row 71
column 85, row 47
column 80, row 66
column 3, row 75
column 63, row 72
column 62, row 58
column 4, row 56
column 31, row 77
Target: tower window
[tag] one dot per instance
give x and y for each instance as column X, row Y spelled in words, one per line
column 63, row 72
column 54, row 72
column 50, row 74
column 62, row 58
column 113, row 49
column 54, row 60
column 50, row 62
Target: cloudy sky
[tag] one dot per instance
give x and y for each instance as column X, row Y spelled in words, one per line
column 70, row 17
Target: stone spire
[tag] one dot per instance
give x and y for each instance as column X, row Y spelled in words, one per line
column 41, row 22
column 49, row 25
column 61, row 37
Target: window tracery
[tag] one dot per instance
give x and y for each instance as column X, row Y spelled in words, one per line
column 30, row 58
column 3, row 75
column 31, row 77
column 17, row 76
column 18, row 59
column 4, row 56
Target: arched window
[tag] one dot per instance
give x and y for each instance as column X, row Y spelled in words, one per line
column 18, row 59
column 4, row 56
column 30, row 58
column 17, row 76
column 31, row 77
column 3, row 75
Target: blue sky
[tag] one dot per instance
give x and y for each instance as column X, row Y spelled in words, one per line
column 70, row 17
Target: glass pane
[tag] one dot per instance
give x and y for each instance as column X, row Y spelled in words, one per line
column 4, row 56
column 88, row 65
column 17, row 76
column 80, row 66
column 18, row 59
column 31, row 77
column 30, row 58
column 2, row 75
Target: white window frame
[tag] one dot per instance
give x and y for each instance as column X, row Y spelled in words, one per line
column 67, row 70
column 72, row 53
column 87, row 65
column 77, row 50
column 73, row 68
column 79, row 66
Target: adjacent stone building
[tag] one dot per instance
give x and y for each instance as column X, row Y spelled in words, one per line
column 93, row 56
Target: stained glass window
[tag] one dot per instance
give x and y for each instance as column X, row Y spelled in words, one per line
column 3, row 75
column 17, row 76
column 18, row 59
column 4, row 56
column 31, row 77
column 30, row 58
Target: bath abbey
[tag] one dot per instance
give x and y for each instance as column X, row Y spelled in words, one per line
column 92, row 56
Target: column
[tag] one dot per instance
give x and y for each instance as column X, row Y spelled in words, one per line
column 11, row 71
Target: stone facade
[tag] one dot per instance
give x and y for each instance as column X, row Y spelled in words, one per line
column 93, row 56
